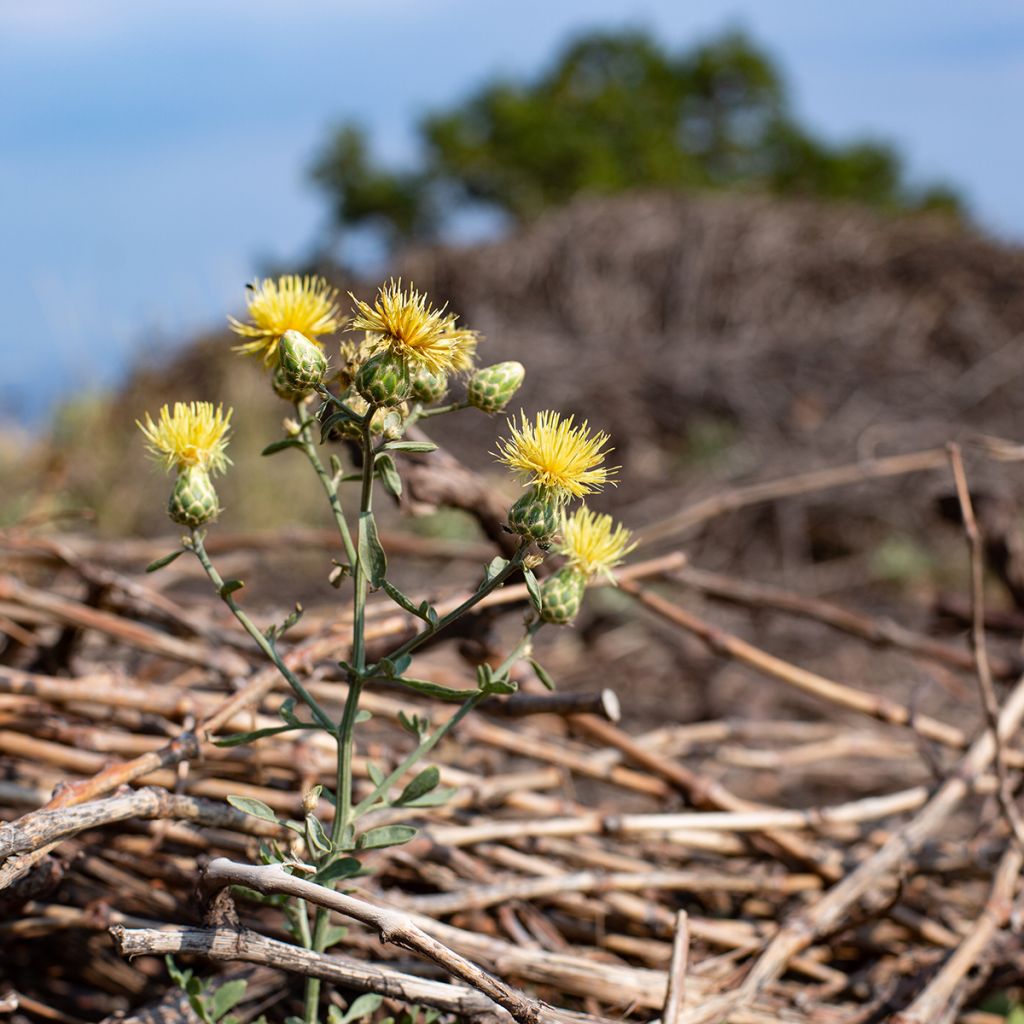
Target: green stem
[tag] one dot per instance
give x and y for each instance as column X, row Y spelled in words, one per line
column 446, row 620
column 419, row 413
column 330, row 487
column 261, row 641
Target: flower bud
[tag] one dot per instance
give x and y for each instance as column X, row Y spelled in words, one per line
column 534, row 516
column 491, row 388
column 193, row 501
column 302, row 364
column 561, row 596
column 384, row 379
column 428, row 387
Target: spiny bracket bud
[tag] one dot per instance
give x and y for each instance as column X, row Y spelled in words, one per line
column 193, row 501
column 384, row 379
column 491, row 388
column 561, row 596
column 302, row 364
column 534, row 516
column 428, row 387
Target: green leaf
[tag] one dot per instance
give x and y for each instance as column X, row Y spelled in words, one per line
column 254, row 808
column 532, row 587
column 292, row 619
column 335, row 420
column 287, row 711
column 410, row 446
column 435, row 690
column 363, row 716
column 492, row 569
column 427, row 780
column 428, row 614
column 388, row 473
column 371, row 554
column 387, row 835
column 490, row 683
column 316, row 836
column 279, row 446
column 334, row 934
column 238, row 739
column 400, row 599
column 542, row 674
column 229, row 995
column 178, row 976
column 362, row 1007
column 343, row 867
column 374, row 771
column 230, row 586
column 436, row 798
column 166, row 560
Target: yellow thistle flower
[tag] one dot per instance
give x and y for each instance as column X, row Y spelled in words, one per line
column 463, row 342
column 590, row 543
column 554, row 455
column 407, row 323
column 195, row 434
column 292, row 303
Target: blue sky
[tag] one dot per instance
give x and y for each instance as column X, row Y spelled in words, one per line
column 153, row 155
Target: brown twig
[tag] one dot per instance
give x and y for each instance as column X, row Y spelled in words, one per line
column 675, row 999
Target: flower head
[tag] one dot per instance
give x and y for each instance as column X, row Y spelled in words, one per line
column 291, row 303
column 590, row 543
column 463, row 344
column 195, row 434
column 560, row 458
column 406, row 322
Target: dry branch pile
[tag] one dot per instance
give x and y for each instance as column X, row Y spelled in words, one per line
column 685, row 873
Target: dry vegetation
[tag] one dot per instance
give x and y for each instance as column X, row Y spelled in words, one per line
column 801, row 815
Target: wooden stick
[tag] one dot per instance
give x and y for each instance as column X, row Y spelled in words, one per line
column 675, row 999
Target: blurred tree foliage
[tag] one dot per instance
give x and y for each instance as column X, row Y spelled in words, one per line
column 615, row 111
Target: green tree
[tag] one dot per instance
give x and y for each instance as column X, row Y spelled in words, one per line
column 613, row 112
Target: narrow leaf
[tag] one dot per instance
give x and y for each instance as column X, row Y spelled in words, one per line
column 387, row 835
column 388, row 473
column 410, row 446
column 316, row 835
column 229, row 995
column 230, row 586
column 401, row 599
column 532, row 587
column 542, row 674
column 436, row 798
column 166, row 560
column 427, row 780
column 253, row 807
column 371, row 554
column 492, row 569
column 334, row 934
column 344, row 867
column 280, row 446
column 362, row 1007
column 435, row 690
column 238, row 739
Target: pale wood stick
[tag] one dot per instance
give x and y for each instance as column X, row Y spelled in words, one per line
column 729, row 645
column 675, row 998
column 392, row 927
column 931, row 1004
column 227, row 944
column 990, row 705
column 803, row 928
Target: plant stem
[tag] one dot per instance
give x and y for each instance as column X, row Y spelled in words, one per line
column 446, row 620
column 261, row 641
column 419, row 413
column 329, row 486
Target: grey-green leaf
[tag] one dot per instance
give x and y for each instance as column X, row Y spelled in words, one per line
column 494, row 567
column 230, row 586
column 542, row 674
column 238, row 739
column 387, row 835
column 532, row 587
column 420, row 786
column 343, row 867
column 166, row 560
column 410, row 446
column 229, row 995
column 362, row 1007
column 256, row 808
column 388, row 472
column 280, row 446
column 435, row 690
column 371, row 553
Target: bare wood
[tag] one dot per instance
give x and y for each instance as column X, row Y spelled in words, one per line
column 931, row 1004
column 392, row 926
column 605, row 704
column 247, row 946
column 990, row 705
column 675, row 999
column 802, row 929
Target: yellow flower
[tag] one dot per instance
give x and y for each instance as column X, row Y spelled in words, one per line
column 554, row 455
column 590, row 543
column 463, row 342
column 292, row 303
column 195, row 434
column 410, row 326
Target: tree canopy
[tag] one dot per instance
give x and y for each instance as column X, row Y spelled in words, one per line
column 614, row 111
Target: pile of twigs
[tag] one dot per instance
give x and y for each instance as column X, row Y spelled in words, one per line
column 580, row 871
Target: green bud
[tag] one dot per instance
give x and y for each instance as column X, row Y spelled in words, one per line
column 384, row 379
column 534, row 516
column 193, row 500
column 491, row 388
column 428, row 387
column 561, row 596
column 301, row 367
column 281, row 384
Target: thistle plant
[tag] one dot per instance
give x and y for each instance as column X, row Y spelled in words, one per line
column 406, row 356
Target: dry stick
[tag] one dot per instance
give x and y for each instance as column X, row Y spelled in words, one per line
column 251, row 947
column 976, row 547
column 932, row 1002
column 33, row 831
column 702, row 791
column 732, row 646
column 790, row 486
column 392, row 927
column 827, row 914
column 675, row 1000
column 880, row 632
